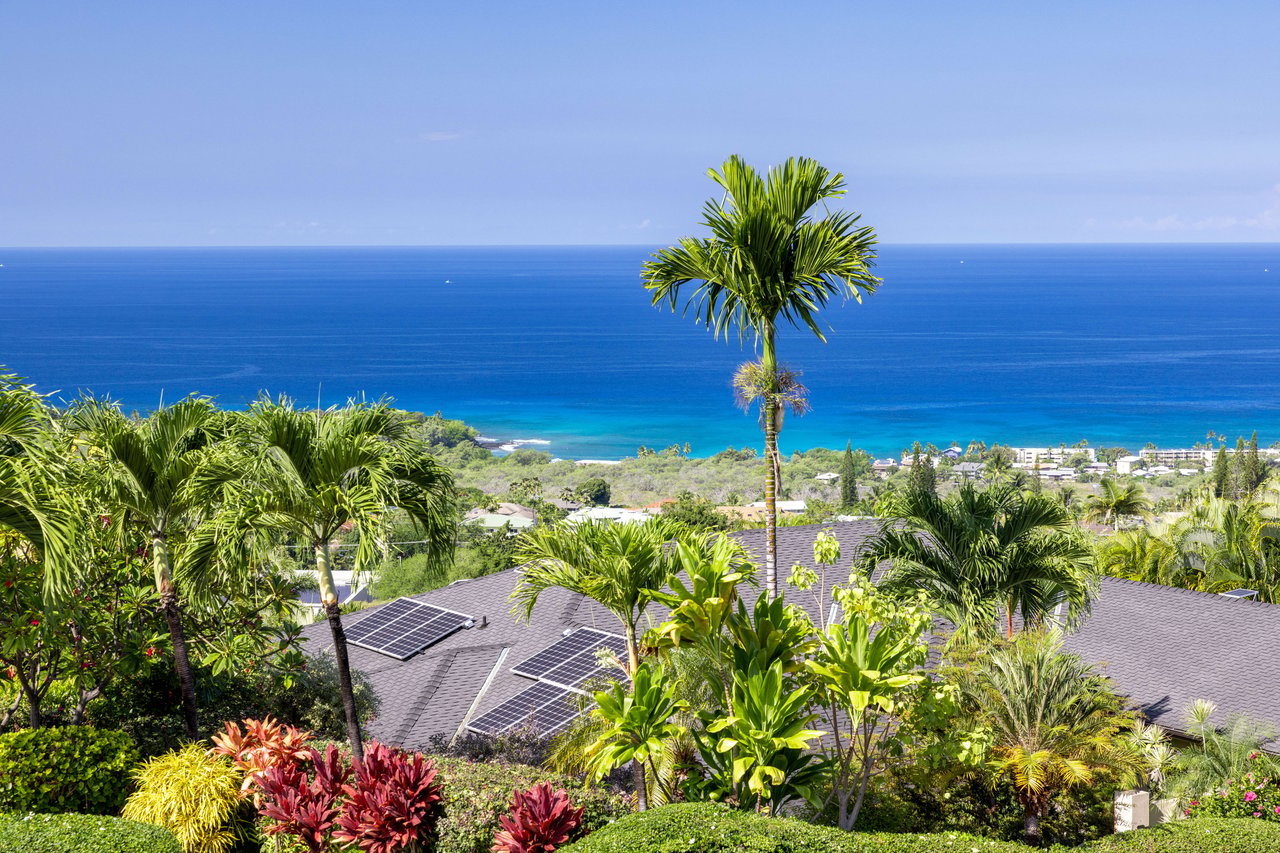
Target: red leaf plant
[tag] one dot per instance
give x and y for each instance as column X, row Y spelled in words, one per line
column 306, row 809
column 394, row 805
column 263, row 744
column 541, row 820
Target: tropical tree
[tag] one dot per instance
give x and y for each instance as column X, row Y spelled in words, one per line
column 638, row 726
column 149, row 481
column 774, row 390
column 1055, row 724
column 1223, row 752
column 31, row 482
column 979, row 551
column 1116, row 501
column 310, row 474
column 768, row 260
column 620, row 566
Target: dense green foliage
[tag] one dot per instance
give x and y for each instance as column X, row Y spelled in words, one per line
column 708, row 828
column 711, row 828
column 65, row 769
column 477, row 794
column 77, row 833
column 1202, row 835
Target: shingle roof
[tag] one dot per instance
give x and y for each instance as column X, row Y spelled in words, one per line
column 1166, row 647
column 1163, row 647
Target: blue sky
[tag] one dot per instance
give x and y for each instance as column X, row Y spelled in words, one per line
column 236, row 123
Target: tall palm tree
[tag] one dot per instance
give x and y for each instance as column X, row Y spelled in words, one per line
column 1054, row 721
column 1115, row 501
column 622, row 567
column 310, row 473
column 979, row 551
column 768, row 260
column 150, row 466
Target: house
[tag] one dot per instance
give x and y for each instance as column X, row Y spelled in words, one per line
column 952, row 453
column 608, row 513
column 1128, row 464
column 785, row 507
column 827, row 476
column 514, row 516
column 969, row 470
column 884, row 467
column 1162, row 647
column 346, row 587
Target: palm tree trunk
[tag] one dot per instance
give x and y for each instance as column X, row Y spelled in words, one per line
column 173, row 618
column 769, row 360
column 642, row 790
column 1031, row 827
column 633, row 650
column 333, row 611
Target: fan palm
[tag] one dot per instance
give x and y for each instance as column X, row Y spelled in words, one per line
column 1054, row 721
column 978, row 551
column 311, row 473
column 1115, row 501
column 150, row 466
column 768, row 260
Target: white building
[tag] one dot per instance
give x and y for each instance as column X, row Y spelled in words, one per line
column 1128, row 464
column 796, row 507
column 617, row 515
column 1028, row 456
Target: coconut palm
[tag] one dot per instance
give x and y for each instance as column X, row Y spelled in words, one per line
column 1115, row 501
column 149, row 469
column 620, row 566
column 312, row 473
column 1055, row 724
column 768, row 260
column 979, row 551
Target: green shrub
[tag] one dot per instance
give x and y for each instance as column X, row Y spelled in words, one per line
column 712, row 828
column 196, row 796
column 65, row 769
column 1251, row 797
column 1198, row 835
column 477, row 794
column 78, row 833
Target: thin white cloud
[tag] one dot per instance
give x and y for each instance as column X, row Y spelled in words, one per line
column 1266, row 220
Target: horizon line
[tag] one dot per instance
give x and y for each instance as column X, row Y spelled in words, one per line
column 615, row 245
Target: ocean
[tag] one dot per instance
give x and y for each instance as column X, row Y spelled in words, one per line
column 1018, row 344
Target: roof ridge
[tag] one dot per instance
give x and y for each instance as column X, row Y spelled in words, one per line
column 1195, row 592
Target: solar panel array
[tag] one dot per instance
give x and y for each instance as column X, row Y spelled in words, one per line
column 573, row 661
column 405, row 627
column 544, row 708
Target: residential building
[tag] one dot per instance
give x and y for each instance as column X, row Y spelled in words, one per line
column 1163, row 648
column 1128, row 464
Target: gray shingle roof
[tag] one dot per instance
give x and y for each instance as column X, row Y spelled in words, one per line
column 1163, row 647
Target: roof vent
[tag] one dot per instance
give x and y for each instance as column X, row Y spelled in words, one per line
column 1239, row 593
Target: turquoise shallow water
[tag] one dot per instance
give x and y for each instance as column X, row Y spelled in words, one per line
column 1018, row 344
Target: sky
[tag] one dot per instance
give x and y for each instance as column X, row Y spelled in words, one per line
column 407, row 123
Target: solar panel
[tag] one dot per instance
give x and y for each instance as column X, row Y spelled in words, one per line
column 573, row 661
column 405, row 627
column 545, row 708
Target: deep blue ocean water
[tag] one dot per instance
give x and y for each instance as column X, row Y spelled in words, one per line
column 1018, row 344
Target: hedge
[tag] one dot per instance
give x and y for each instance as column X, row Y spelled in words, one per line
column 79, row 833
column 711, row 828
column 1197, row 835
column 478, row 793
column 65, row 769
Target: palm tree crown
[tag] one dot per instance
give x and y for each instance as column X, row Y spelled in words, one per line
column 1115, row 501
column 980, row 551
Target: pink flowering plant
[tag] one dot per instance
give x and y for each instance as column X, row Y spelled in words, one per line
column 1251, row 795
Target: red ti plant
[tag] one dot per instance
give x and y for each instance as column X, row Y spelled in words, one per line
column 394, row 805
column 307, row 810
column 541, row 820
column 263, row 744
